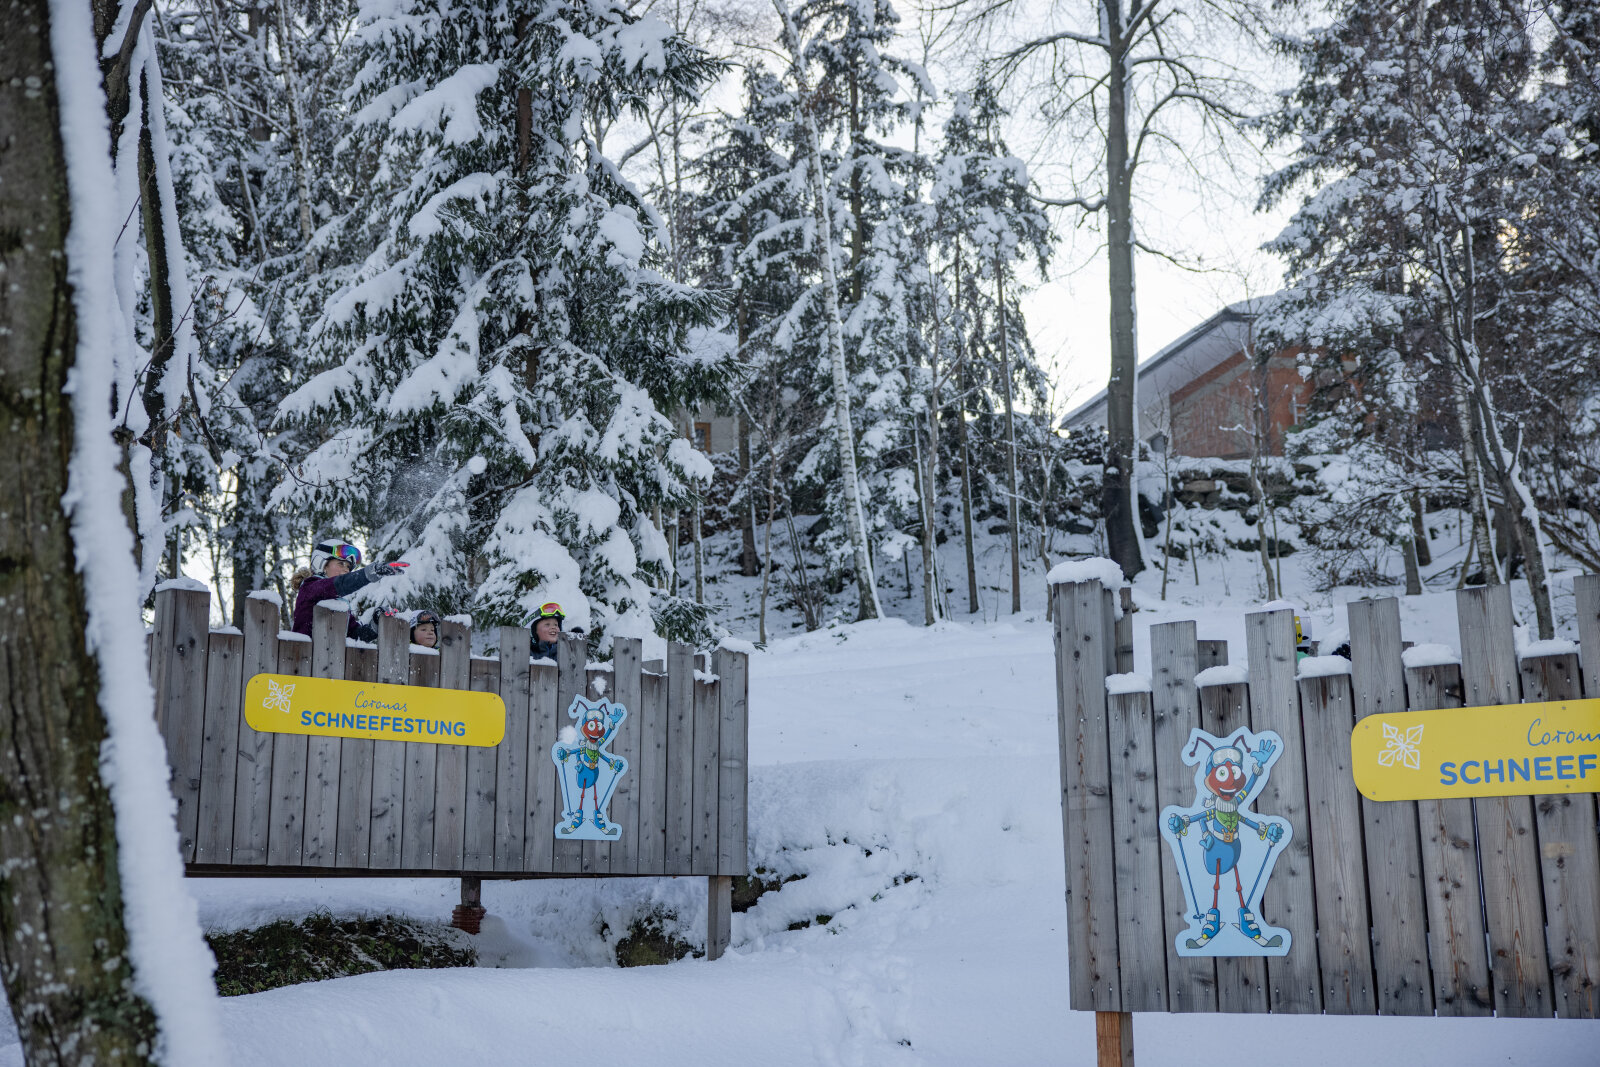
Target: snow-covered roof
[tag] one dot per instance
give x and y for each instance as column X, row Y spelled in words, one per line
column 1182, row 361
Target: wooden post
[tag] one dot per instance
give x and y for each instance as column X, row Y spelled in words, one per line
column 421, row 771
column 1508, row 849
column 499, row 786
column 572, row 658
column 1569, row 860
column 450, row 773
column 733, row 668
column 1113, row 1038
column 1141, row 944
column 355, row 770
column 1394, row 851
column 680, row 758
column 470, row 912
column 543, row 805
column 1083, row 649
column 1241, row 980
column 1124, row 631
column 1191, row 980
column 389, row 757
column 329, row 624
column 178, row 673
column 1450, row 872
column 719, row 914
column 286, row 830
column 627, row 690
column 214, row 840
column 252, row 805
column 1211, row 654
column 1338, row 866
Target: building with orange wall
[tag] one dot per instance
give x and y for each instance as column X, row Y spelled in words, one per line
column 1199, row 394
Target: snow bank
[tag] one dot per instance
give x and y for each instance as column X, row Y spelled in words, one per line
column 1429, row 656
column 1322, row 666
column 1132, row 682
column 1227, row 674
column 1086, row 570
column 172, row 966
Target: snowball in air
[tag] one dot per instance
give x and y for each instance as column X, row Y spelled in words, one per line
column 477, row 465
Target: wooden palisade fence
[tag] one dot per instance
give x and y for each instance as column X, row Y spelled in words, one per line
column 252, row 803
column 1456, row 907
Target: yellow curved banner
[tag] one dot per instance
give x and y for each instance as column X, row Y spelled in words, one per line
column 324, row 707
column 1503, row 751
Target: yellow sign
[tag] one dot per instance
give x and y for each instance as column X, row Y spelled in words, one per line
column 1504, row 751
column 324, row 707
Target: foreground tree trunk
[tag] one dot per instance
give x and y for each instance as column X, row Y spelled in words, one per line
column 1118, row 502
column 63, row 945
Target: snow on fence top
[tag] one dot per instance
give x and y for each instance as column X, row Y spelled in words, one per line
column 1553, row 647
column 188, row 585
column 1323, row 666
column 1086, row 570
column 1132, row 682
column 1226, row 674
column 1429, row 656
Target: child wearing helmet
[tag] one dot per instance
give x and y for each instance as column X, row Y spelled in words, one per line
column 425, row 629
column 335, row 572
column 547, row 630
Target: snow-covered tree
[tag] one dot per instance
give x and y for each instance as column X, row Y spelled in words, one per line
column 491, row 376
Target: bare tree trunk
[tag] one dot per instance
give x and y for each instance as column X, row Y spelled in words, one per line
column 699, row 558
column 766, row 547
column 844, row 431
column 297, row 135
column 63, row 944
column 1419, row 531
column 1408, row 551
column 1013, row 512
column 1118, row 496
column 963, row 386
column 1477, row 505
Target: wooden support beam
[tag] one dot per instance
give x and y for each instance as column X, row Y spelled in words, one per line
column 719, row 914
column 1113, row 1038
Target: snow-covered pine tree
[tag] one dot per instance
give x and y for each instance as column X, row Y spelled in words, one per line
column 988, row 225
column 491, row 377
column 1401, row 119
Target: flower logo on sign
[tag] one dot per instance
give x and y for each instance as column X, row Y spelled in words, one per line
column 1405, row 747
column 278, row 696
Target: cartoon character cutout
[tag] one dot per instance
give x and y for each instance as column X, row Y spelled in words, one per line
column 1220, row 840
column 587, row 771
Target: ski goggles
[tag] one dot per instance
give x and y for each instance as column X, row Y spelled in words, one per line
column 347, row 553
column 425, row 617
column 551, row 610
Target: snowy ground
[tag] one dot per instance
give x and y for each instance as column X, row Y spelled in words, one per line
column 911, row 776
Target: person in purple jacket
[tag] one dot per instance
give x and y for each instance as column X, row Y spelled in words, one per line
column 341, row 573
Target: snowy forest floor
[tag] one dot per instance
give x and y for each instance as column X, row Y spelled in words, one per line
column 910, row 776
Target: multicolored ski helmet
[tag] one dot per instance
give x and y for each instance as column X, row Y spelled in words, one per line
column 324, row 552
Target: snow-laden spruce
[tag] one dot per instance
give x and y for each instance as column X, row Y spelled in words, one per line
column 490, row 379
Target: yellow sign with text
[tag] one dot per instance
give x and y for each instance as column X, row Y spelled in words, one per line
column 325, row 707
column 1503, row 751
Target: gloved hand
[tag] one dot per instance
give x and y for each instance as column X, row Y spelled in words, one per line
column 1177, row 825
column 383, row 570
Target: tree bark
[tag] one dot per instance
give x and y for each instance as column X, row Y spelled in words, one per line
column 63, row 945
column 297, row 135
column 1118, row 502
column 966, row 455
column 844, row 432
column 163, row 316
column 1013, row 512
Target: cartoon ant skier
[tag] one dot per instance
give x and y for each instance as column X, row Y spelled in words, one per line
column 1221, row 821
column 598, row 724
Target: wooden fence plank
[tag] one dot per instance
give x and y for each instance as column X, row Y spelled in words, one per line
column 417, row 817
column 478, row 850
column 219, row 768
column 543, row 805
column 1393, row 848
column 1211, row 654
column 178, row 673
column 450, row 773
column 1191, row 980
column 625, row 656
column 389, row 757
column 252, row 805
column 707, row 765
column 680, row 758
column 1141, row 940
column 1082, row 648
column 1290, row 896
column 329, row 625
column 286, row 831
column 1339, row 868
column 355, row 770
column 1579, row 982
column 733, row 668
column 597, row 854
column 571, row 660
column 497, row 781
column 652, row 774
column 1569, row 860
column 1450, row 873
column 1508, row 851
column 1241, row 980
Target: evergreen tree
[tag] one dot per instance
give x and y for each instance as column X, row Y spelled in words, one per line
column 493, row 372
